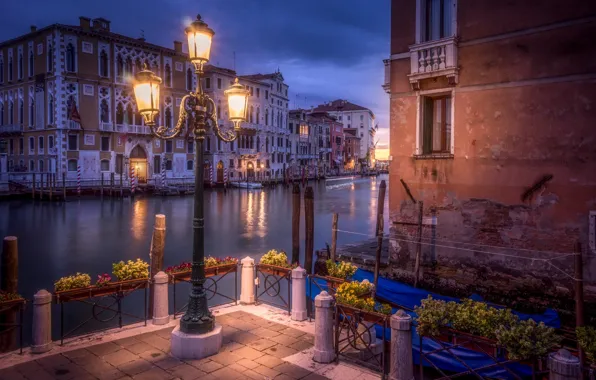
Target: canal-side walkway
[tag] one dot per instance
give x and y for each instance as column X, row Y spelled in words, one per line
column 260, row 342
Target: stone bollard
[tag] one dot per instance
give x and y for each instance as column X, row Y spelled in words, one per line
column 324, row 351
column 42, row 322
column 401, row 362
column 299, row 294
column 247, row 282
column 161, row 314
column 564, row 366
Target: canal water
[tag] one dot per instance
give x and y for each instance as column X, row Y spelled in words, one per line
column 88, row 235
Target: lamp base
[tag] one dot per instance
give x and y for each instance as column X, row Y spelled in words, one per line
column 196, row 346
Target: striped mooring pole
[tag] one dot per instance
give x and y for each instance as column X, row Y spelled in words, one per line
column 79, row 180
column 210, row 173
column 163, row 174
column 132, row 180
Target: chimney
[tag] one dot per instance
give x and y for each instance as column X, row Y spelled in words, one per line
column 85, row 23
column 178, row 46
column 33, row 28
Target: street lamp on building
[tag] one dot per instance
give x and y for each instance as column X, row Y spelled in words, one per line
column 200, row 111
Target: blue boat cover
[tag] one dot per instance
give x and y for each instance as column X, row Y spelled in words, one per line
column 411, row 297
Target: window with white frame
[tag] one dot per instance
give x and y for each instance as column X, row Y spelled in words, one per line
column 88, row 89
column 104, row 64
column 31, row 111
column 169, row 146
column 87, row 47
column 40, row 144
column 39, row 49
column 72, row 165
column 40, row 165
column 73, row 142
column 105, row 143
column 435, row 124
column 70, row 58
column 20, row 65
column 179, row 66
column 436, row 19
column 31, row 64
column 50, row 142
column 189, row 165
column 31, row 165
column 105, row 165
column 31, row 145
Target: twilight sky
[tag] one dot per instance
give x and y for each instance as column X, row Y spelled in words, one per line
column 326, row 49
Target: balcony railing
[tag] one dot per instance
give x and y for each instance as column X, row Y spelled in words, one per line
column 74, row 125
column 13, row 128
column 106, row 127
column 132, row 129
column 434, row 59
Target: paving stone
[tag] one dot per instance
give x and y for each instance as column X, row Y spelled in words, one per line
column 139, row 347
column 135, row 367
column 292, row 332
column 50, row 362
column 232, row 346
column 284, row 340
column 165, row 333
column 293, row 371
column 157, row 342
column 269, row 361
column 207, row 366
column 226, row 358
column 239, row 314
column 186, row 372
column 125, row 342
column 264, row 332
column 225, row 320
column 154, row 374
column 167, row 362
column 245, row 338
column 250, row 364
column 248, row 353
column 237, row 367
column 308, row 338
column 153, row 355
column 11, row 374
column 253, row 375
column 301, row 345
column 266, row 371
column 283, row 376
column 262, row 344
column 280, row 351
column 104, row 348
column 276, row 326
column 81, row 357
column 120, row 357
column 106, row 372
column 246, row 326
column 314, row 376
column 226, row 373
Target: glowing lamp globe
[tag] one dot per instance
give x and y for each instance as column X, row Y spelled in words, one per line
column 237, row 103
column 199, row 42
column 146, row 87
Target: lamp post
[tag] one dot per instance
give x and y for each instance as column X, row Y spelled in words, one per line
column 200, row 110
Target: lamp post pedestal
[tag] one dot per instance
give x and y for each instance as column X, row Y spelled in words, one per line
column 196, row 346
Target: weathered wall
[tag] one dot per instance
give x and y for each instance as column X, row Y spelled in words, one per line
column 525, row 106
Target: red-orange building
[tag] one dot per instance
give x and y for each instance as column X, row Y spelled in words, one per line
column 493, row 127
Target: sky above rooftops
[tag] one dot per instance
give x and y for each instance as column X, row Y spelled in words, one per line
column 325, row 49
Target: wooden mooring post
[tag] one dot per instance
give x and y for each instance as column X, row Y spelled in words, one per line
column 101, row 186
column 41, row 186
column 64, row 186
column 9, row 283
column 309, row 224
column 51, row 186
column 33, row 186
column 380, row 202
column 334, row 224
column 380, row 222
column 112, row 184
column 295, row 223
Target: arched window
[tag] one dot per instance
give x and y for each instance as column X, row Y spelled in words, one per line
column 267, row 116
column 219, row 115
column 189, row 79
column 119, row 66
column 168, row 117
column 72, row 165
column 105, row 165
column 252, row 112
column 258, row 144
column 267, row 145
column 103, row 63
column 31, row 165
column 70, row 58
column 10, row 68
column 128, row 115
column 11, row 112
column 104, row 112
column 258, row 115
column 168, row 76
column 208, row 145
column 1, row 70
column 40, row 165
column 1, row 113
column 119, row 113
column 20, row 68
column 31, row 111
column 51, row 109
column 128, row 67
column 252, row 142
column 50, row 142
column 31, row 63
column 50, row 57
column 21, row 111
column 189, row 165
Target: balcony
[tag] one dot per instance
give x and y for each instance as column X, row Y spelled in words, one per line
column 387, row 85
column 106, row 127
column 433, row 59
column 73, row 125
column 132, row 129
column 52, row 151
column 11, row 129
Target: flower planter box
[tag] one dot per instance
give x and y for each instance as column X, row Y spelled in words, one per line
column 334, row 282
column 7, row 305
column 475, row 343
column 100, row 291
column 366, row 316
column 274, row 270
column 209, row 272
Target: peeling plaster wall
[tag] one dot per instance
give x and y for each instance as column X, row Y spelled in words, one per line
column 525, row 106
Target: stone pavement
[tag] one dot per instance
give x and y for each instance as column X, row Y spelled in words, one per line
column 261, row 344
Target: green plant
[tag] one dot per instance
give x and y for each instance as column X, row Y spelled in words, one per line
column 5, row 296
column 432, row 315
column 527, row 339
column 586, row 337
column 342, row 269
column 477, row 318
column 350, row 293
column 275, row 258
column 131, row 270
column 79, row 280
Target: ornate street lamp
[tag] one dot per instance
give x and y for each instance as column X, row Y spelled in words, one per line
column 200, row 110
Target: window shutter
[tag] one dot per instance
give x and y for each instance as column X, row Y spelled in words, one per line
column 427, row 124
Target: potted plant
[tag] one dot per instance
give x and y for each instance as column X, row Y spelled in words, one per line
column 432, row 317
column 338, row 273
column 586, row 337
column 275, row 263
column 353, row 297
column 213, row 266
column 8, row 300
column 527, row 340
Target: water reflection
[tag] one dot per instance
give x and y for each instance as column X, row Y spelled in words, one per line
column 139, row 220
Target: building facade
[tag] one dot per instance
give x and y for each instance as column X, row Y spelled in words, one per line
column 352, row 150
column 67, row 105
column 495, row 133
column 354, row 116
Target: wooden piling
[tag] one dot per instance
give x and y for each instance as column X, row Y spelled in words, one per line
column 156, row 253
column 381, row 202
column 9, row 283
column 51, row 186
column 419, row 247
column 64, row 186
column 33, row 186
column 380, row 223
column 101, row 188
column 41, row 186
column 579, row 293
column 121, row 191
column 334, row 236
column 112, row 184
column 296, row 223
column 309, row 223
